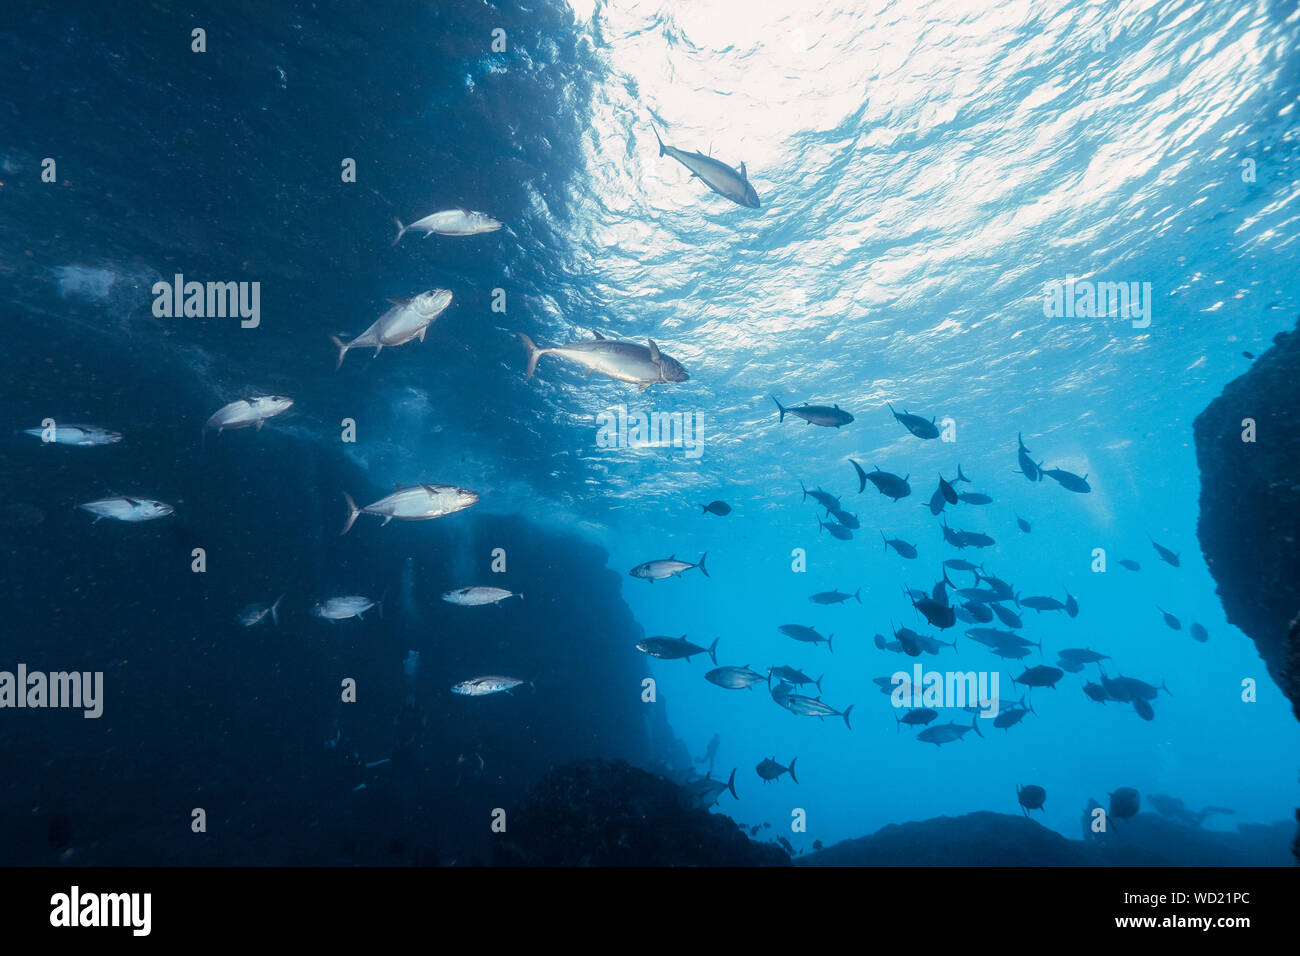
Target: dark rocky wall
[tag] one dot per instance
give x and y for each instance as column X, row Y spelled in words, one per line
column 1250, row 506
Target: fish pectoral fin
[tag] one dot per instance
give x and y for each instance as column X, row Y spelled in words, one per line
column 643, row 387
column 387, row 518
column 260, row 423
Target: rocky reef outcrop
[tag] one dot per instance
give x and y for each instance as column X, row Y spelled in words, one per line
column 608, row 813
column 1249, row 524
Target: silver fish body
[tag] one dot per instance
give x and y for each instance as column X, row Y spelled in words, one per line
column 121, row 508
column 408, row 319
column 414, row 503
column 344, row 607
column 449, row 222
column 248, row 412
column 484, row 686
column 642, row 365
column 80, row 436
column 478, row 596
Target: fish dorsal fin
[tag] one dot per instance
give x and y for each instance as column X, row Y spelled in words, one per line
column 654, row 351
column 398, row 486
column 598, row 335
column 672, row 557
column 743, row 175
column 248, row 402
column 400, row 302
column 133, row 502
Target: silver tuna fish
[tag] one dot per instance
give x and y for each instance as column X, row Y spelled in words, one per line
column 408, row 319
column 478, row 596
column 414, row 503
column 449, row 222
column 82, row 436
column 483, row 686
column 248, row 412
column 122, row 508
column 641, row 365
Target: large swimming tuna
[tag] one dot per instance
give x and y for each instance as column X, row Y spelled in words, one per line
column 718, row 176
column 770, row 770
column 704, row 792
column 888, row 484
column 667, row 567
column 808, row 635
column 82, row 436
column 915, row 424
column 414, row 503
column 641, row 365
column 676, row 648
column 449, row 222
column 828, row 416
column 483, row 686
column 122, row 508
column 1068, row 480
column 478, row 596
column 344, row 607
column 255, row 613
column 941, row 734
column 248, row 412
column 1027, row 467
column 407, row 319
column 734, row 678
column 810, row 706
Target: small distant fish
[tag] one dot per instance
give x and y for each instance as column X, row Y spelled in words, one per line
column 81, row 436
column 1068, row 480
column 1041, row 603
column 1198, row 632
column 770, row 770
column 1096, row 692
column 957, row 564
column 676, row 648
column 1024, row 525
column 1071, row 605
column 941, row 734
column 734, row 678
column 828, row 416
column 1131, row 565
column 902, row 547
column 849, row 521
column 915, row 424
column 808, row 635
column 1008, row 718
column 835, row 597
column 483, row 686
column 720, row 508
column 836, row 529
column 976, row 539
column 1031, row 797
column 718, row 176
column 478, row 596
column 889, row 485
column 1170, row 620
column 413, row 503
column 342, row 608
column 631, row 362
column 667, row 567
column 937, row 502
column 1248, row 355
column 1027, row 467
column 1143, row 709
column 449, row 222
column 1165, row 554
column 406, row 320
column 255, row 613
column 122, row 508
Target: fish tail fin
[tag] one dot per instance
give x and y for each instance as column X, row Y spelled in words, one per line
column 782, row 408
column 960, row 476
column 343, row 350
column 275, row 610
column 862, row 476
column 701, row 565
column 848, row 710
column 975, row 725
column 401, row 230
column 731, row 783
column 713, row 652
column 658, row 138
column 829, row 638
column 534, row 353
column 353, row 511
column 884, row 539
column 379, row 605
column 1166, row 689
column 858, row 594
column 792, row 776
column 704, row 509
column 818, row 682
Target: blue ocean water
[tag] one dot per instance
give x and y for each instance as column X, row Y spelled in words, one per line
column 925, row 171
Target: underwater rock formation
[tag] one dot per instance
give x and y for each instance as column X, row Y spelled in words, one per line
column 607, row 813
column 999, row 839
column 1250, row 506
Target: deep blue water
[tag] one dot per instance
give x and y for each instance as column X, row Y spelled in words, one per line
column 924, row 173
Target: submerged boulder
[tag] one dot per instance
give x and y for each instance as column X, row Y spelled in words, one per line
column 609, row 813
column 1250, row 506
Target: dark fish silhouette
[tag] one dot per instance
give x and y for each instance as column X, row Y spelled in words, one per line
column 836, row 529
column 1165, row 554
column 889, row 485
column 899, row 545
column 1170, row 620
column 717, row 508
column 1027, row 467
column 825, row 415
column 835, row 597
column 1131, row 565
column 1030, row 797
column 1024, row 525
column 915, row 424
column 949, row 493
column 1068, row 480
